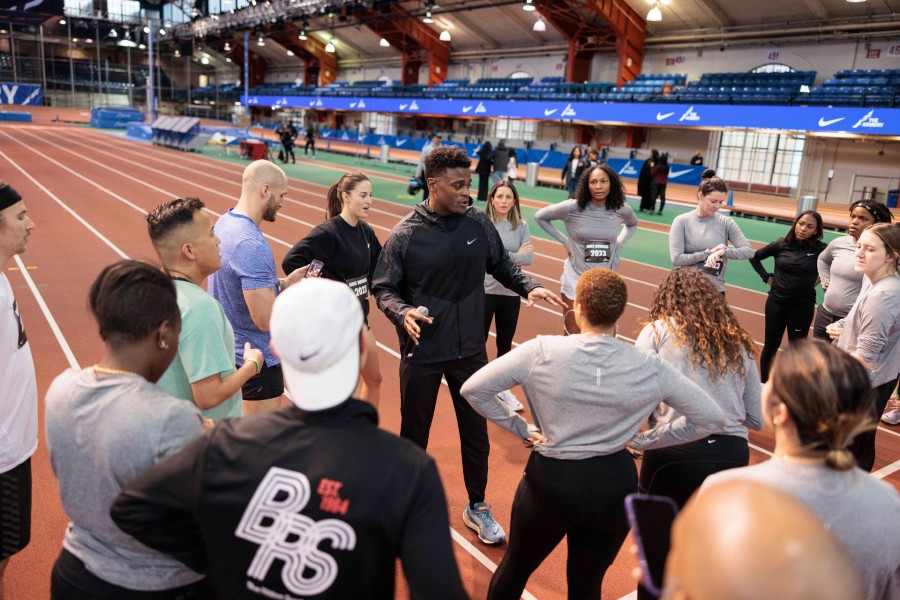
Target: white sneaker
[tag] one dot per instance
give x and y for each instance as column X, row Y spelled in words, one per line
column 509, row 399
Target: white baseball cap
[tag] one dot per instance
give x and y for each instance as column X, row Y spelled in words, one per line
column 315, row 329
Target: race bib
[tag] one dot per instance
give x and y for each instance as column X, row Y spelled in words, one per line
column 597, row 252
column 359, row 285
column 714, row 271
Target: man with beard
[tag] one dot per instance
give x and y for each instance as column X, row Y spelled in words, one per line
column 246, row 285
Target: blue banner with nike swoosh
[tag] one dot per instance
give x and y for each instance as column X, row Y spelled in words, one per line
column 858, row 120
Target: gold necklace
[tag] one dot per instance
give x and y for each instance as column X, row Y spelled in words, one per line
column 104, row 371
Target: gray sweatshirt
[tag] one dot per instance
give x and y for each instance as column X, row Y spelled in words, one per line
column 837, row 269
column 872, row 329
column 738, row 396
column 102, row 433
column 692, row 236
column 589, row 395
column 512, row 241
column 862, row 513
column 594, row 226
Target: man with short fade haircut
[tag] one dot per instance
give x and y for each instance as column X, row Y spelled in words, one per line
column 246, row 284
column 740, row 540
column 18, row 401
column 436, row 258
column 320, row 502
column 203, row 371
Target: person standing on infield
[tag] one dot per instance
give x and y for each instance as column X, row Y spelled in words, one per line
column 18, row 404
column 436, row 259
column 246, row 284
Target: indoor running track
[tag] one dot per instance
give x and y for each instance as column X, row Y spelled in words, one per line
column 87, row 192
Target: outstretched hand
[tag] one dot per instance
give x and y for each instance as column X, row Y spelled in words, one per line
column 540, row 293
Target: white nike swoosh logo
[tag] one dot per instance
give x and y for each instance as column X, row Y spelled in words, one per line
column 467, row 109
column 813, row 254
column 403, row 106
column 710, row 441
column 677, row 173
column 826, row 122
column 660, row 116
column 469, row 243
column 549, row 111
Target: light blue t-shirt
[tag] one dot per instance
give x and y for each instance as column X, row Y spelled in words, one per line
column 247, row 264
column 204, row 349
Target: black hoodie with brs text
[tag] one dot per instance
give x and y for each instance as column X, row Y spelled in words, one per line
column 439, row 262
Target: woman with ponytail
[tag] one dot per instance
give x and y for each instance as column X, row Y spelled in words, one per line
column 349, row 249
column 817, row 400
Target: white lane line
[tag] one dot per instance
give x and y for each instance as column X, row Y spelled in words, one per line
column 60, row 338
column 456, row 536
column 890, row 431
column 484, row 560
column 760, row 449
column 885, row 471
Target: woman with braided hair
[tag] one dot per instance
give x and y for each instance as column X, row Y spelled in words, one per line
column 692, row 328
column 817, row 401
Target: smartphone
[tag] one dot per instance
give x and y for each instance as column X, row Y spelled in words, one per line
column 651, row 519
column 315, row 268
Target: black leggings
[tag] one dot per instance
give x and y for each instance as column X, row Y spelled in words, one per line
column 795, row 316
column 484, row 183
column 582, row 500
column 70, row 580
column 506, row 309
column 657, row 190
column 289, row 151
column 863, row 445
column 677, row 471
column 824, row 318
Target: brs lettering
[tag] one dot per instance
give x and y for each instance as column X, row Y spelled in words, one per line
column 274, row 522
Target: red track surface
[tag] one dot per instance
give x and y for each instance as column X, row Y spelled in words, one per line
column 63, row 172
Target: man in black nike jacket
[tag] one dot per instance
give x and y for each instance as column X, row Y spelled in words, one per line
column 313, row 500
column 436, row 258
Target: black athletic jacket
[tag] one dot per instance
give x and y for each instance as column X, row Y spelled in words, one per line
column 294, row 504
column 439, row 262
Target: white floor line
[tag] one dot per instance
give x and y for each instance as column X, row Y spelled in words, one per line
column 484, row 560
column 71, row 357
column 60, row 338
column 760, row 449
column 631, row 596
column 885, row 471
column 890, row 431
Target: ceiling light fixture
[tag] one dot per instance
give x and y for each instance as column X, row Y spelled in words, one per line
column 162, row 31
column 427, row 18
column 855, row 1
column 529, row 6
column 302, row 35
column 539, row 25
column 227, row 47
column 142, row 47
column 290, row 53
column 445, row 36
column 62, row 21
column 227, row 59
column 146, row 29
column 126, row 41
column 384, row 43
column 260, row 41
column 113, row 33
column 74, row 40
column 329, row 47
column 204, row 60
column 655, row 14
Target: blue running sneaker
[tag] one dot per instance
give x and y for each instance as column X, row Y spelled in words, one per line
column 481, row 520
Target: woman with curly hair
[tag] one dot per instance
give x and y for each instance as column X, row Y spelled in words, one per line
column 792, row 295
column 692, row 328
column 598, row 223
column 840, row 279
column 589, row 395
